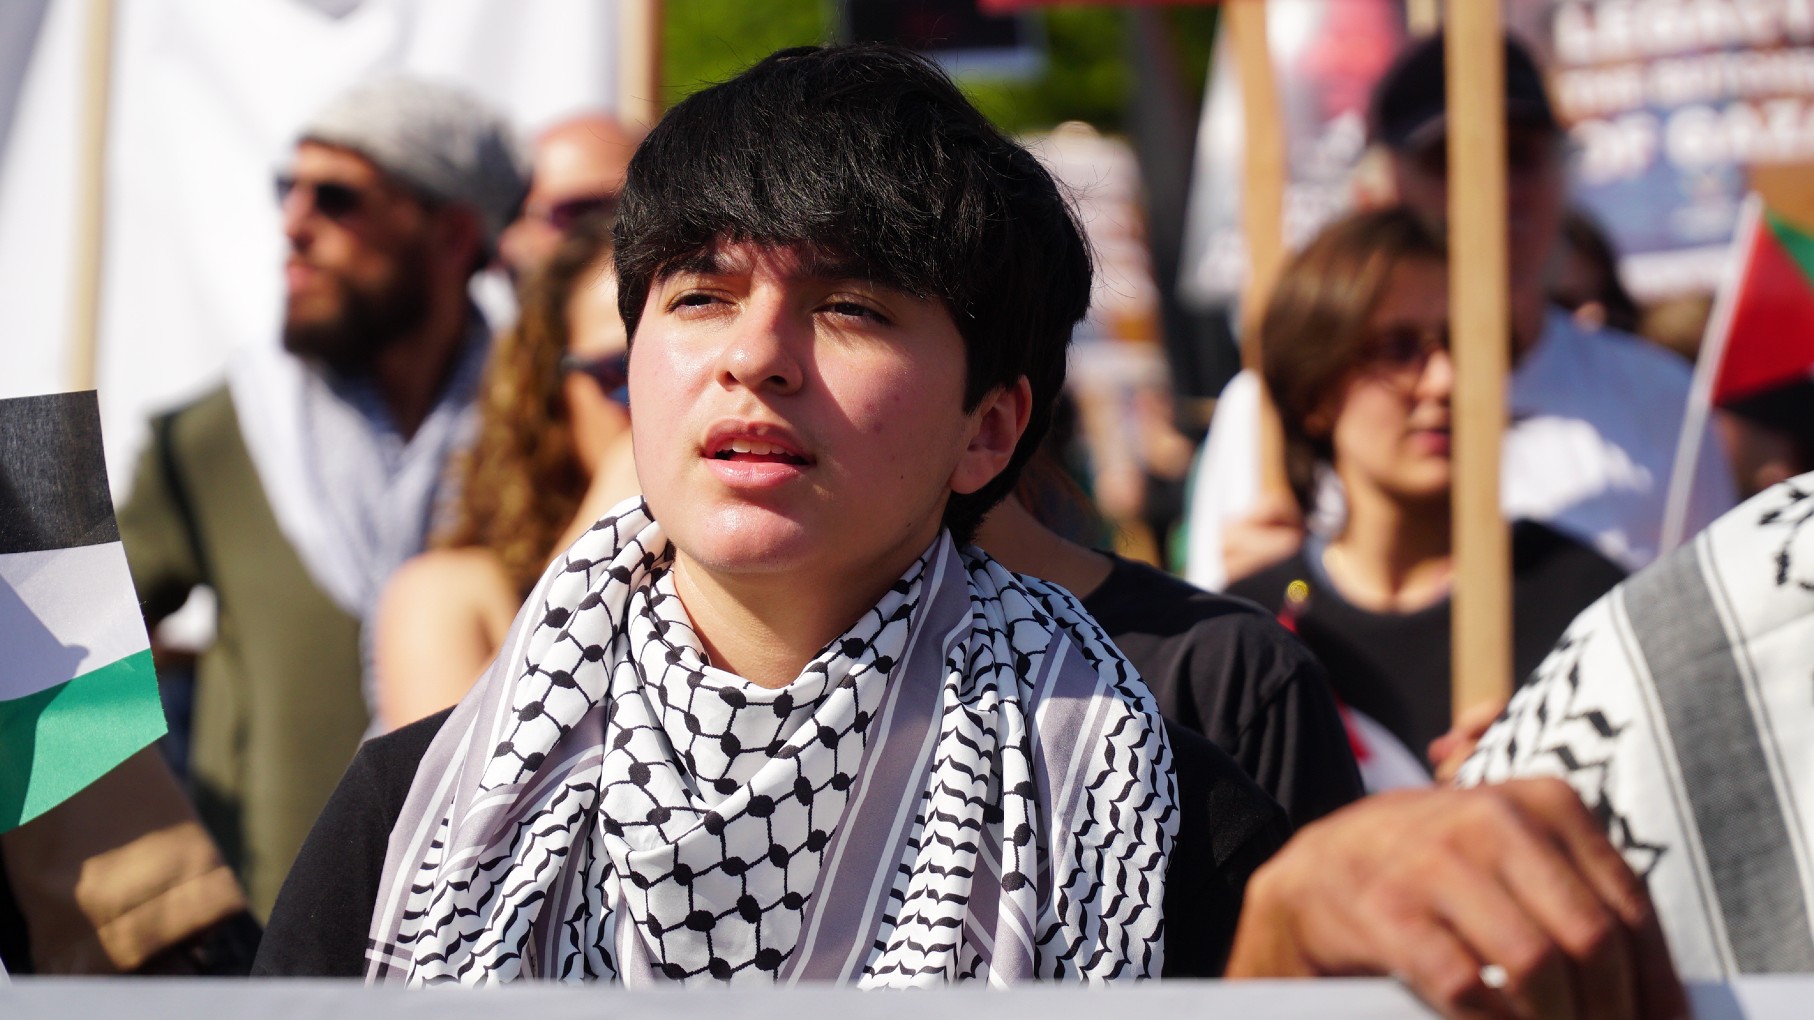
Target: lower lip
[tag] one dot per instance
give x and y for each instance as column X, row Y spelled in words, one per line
column 1431, row 442
column 297, row 277
column 755, row 474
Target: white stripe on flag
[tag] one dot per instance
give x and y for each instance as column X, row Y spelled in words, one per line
column 65, row 612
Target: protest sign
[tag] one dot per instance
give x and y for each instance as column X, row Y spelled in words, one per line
column 1670, row 104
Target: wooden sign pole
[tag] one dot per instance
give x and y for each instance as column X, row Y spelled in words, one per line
column 1480, row 322
column 1262, row 214
column 639, row 62
column 91, row 200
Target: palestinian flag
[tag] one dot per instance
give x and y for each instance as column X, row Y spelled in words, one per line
column 1757, row 358
column 78, row 694
column 1766, row 349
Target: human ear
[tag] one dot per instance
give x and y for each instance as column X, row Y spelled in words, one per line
column 1320, row 422
column 996, row 427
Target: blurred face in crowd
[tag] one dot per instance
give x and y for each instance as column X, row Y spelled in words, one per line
column 361, row 245
column 597, row 343
column 795, row 419
column 579, row 169
column 1389, row 422
column 1535, row 196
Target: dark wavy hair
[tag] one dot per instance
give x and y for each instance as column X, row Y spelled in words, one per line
column 522, row 481
column 871, row 155
column 1313, row 335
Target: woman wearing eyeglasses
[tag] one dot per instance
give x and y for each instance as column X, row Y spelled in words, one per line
column 552, row 453
column 1357, row 361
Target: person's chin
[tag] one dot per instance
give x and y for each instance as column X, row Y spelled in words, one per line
column 747, row 540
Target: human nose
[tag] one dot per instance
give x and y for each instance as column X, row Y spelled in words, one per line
column 763, row 348
column 1437, row 380
column 295, row 208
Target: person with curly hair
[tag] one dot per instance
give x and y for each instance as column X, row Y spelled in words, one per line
column 552, row 453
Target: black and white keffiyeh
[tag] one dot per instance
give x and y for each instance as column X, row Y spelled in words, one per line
column 1678, row 707
column 970, row 783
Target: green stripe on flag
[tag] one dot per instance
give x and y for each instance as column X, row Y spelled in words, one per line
column 1797, row 243
column 55, row 742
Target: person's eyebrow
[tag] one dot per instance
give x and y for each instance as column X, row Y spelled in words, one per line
column 705, row 262
column 814, row 264
column 820, row 265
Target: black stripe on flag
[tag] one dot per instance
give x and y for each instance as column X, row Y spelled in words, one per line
column 1702, row 692
column 53, row 475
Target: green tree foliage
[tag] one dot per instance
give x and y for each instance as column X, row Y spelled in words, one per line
column 1086, row 74
column 708, row 41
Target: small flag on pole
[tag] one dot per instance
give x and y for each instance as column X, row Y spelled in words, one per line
column 1769, row 340
column 1758, row 354
column 78, row 693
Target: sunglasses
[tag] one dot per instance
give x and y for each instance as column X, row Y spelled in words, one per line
column 564, row 214
column 330, row 198
column 1403, row 351
column 610, row 371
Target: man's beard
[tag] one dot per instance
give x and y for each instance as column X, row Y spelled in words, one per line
column 366, row 322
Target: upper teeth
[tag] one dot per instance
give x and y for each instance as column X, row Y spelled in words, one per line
column 754, row 446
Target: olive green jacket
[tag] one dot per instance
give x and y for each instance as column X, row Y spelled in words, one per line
column 278, row 707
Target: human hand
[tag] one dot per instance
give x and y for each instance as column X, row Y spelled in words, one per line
column 1447, row 752
column 1497, row 901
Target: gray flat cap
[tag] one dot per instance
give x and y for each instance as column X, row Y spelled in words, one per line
column 438, row 140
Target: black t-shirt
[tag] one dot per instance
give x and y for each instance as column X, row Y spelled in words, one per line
column 1225, row 668
column 1395, row 666
column 1227, row 828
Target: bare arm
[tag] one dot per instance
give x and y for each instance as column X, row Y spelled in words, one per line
column 439, row 623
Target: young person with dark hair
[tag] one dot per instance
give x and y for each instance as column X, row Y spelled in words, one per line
column 792, row 731
column 773, row 721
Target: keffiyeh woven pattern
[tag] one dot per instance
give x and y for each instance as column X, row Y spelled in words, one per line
column 970, row 783
column 1678, row 708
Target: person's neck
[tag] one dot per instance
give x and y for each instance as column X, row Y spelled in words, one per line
column 764, row 627
column 1392, row 556
column 411, row 370
column 1015, row 537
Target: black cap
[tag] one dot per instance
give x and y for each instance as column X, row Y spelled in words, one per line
column 1410, row 103
column 1787, row 408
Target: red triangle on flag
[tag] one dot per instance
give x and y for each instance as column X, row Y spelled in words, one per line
column 1770, row 341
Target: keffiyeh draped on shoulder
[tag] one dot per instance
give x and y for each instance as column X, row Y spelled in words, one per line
column 969, row 783
column 1678, row 708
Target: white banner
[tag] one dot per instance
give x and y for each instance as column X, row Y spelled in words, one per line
column 206, row 99
column 1751, row 998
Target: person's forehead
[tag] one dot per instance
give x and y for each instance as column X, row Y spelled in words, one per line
column 317, row 160
column 1433, row 150
column 727, row 256
column 581, row 161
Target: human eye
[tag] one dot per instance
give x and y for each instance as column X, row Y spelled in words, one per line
column 1407, row 347
column 1394, row 347
column 855, row 310
column 692, row 298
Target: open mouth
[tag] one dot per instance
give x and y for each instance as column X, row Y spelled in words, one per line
column 747, row 450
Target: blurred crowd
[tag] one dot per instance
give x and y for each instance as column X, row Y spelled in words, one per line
column 373, row 500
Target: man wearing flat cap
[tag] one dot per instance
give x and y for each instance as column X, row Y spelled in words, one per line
column 297, row 487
